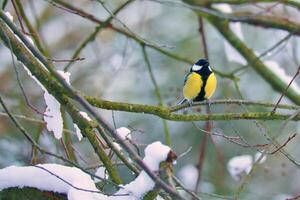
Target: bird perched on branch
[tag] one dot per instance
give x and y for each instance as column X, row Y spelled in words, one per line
column 200, row 83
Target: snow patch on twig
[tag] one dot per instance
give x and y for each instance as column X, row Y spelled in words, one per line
column 124, row 133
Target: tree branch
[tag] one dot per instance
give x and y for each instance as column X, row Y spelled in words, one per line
column 166, row 112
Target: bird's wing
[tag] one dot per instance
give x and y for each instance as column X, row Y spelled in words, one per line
column 186, row 76
column 192, row 86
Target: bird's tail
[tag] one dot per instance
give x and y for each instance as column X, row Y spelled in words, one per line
column 182, row 101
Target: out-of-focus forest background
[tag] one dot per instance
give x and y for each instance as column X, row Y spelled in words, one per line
column 113, row 67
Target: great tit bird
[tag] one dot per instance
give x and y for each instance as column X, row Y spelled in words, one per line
column 200, row 83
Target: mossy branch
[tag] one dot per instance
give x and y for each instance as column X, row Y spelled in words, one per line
column 167, row 112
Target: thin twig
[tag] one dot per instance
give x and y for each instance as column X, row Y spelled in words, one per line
column 203, row 37
column 19, row 81
column 32, row 32
column 202, row 151
column 92, row 36
column 178, row 182
column 285, row 91
column 157, row 93
column 66, row 60
column 284, row 144
column 18, row 16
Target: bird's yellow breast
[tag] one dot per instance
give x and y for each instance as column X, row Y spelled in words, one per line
column 210, row 86
column 192, row 86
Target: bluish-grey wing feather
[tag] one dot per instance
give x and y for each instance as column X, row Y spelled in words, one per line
column 186, row 76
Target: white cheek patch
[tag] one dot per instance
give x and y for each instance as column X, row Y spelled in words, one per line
column 196, row 67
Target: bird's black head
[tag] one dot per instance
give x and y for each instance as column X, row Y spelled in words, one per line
column 202, row 62
column 201, row 66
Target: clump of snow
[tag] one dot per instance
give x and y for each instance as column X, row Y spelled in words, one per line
column 77, row 129
column 10, row 17
column 52, row 115
column 223, row 7
column 39, row 177
column 239, row 165
column 118, row 146
column 155, row 153
column 188, row 176
column 78, row 132
column 29, row 39
column 124, row 133
column 85, row 115
column 280, row 72
column 65, row 75
column 101, row 172
column 77, row 184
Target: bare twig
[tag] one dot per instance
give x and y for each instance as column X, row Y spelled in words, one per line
column 98, row 28
column 284, row 144
column 203, row 38
column 158, row 95
column 19, row 81
column 66, row 60
column 18, row 16
column 178, row 182
column 285, row 91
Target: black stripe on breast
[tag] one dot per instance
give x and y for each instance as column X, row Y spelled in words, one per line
column 204, row 77
column 201, row 95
